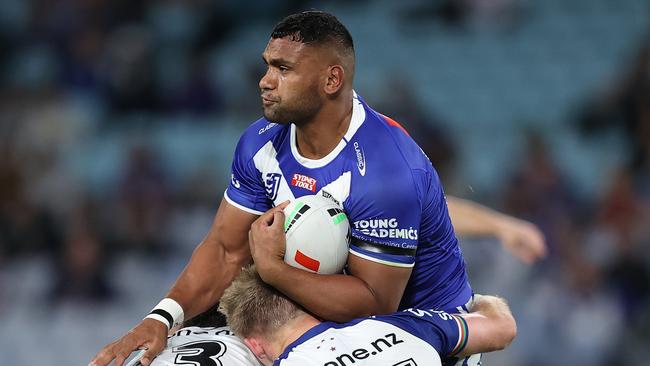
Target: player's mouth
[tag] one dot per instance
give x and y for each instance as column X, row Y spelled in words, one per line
column 268, row 101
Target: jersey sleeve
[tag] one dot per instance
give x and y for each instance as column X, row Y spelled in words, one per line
column 246, row 190
column 447, row 333
column 386, row 229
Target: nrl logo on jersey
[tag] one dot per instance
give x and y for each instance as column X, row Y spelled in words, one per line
column 271, row 185
column 361, row 159
column 303, row 181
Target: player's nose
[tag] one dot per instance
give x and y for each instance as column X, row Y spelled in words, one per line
column 266, row 82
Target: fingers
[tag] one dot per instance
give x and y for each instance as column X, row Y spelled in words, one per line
column 118, row 351
column 268, row 218
column 534, row 243
column 524, row 240
column 119, row 360
column 151, row 353
column 278, row 220
column 150, row 335
column 103, row 358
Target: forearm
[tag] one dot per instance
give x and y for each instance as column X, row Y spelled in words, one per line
column 210, row 270
column 472, row 219
column 491, row 325
column 337, row 298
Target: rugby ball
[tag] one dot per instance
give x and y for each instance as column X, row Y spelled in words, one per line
column 318, row 235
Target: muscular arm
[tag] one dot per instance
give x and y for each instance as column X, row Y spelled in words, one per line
column 491, row 326
column 371, row 288
column 215, row 262
column 523, row 239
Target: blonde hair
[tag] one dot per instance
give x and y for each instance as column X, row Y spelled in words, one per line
column 253, row 307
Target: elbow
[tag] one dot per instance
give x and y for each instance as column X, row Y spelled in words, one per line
column 358, row 307
column 349, row 312
column 508, row 327
column 512, row 330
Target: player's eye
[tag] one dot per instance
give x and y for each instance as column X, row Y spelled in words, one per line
column 283, row 68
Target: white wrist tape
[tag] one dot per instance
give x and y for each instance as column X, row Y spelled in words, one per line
column 168, row 312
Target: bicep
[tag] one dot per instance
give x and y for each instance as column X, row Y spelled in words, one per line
column 385, row 282
column 215, row 262
column 229, row 231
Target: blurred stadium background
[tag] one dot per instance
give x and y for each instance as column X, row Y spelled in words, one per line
column 118, row 121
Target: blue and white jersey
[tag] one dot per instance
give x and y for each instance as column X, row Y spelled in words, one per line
column 385, row 184
column 410, row 338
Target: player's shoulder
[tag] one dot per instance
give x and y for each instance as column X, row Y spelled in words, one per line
column 259, row 133
column 386, row 139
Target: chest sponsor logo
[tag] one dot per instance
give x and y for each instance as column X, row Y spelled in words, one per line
column 303, row 181
column 385, row 228
column 361, row 159
column 271, row 185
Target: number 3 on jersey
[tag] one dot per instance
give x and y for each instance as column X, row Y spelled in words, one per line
column 201, row 353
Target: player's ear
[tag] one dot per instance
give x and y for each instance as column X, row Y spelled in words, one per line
column 335, row 75
column 256, row 347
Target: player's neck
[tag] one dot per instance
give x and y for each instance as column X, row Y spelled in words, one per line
column 318, row 137
column 292, row 331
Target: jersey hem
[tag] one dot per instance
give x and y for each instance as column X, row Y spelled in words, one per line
column 381, row 261
column 239, row 206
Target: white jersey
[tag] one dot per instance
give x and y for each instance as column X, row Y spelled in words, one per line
column 199, row 346
column 411, row 338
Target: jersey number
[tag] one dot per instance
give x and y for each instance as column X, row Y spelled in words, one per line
column 201, row 353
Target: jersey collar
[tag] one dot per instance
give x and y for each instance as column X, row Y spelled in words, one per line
column 311, row 333
column 358, row 116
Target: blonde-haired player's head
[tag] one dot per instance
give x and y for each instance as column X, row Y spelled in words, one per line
column 260, row 314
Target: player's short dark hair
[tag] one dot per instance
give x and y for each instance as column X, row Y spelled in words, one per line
column 209, row 318
column 314, row 27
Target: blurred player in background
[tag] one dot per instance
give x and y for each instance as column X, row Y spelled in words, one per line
column 521, row 238
column 280, row 332
column 319, row 137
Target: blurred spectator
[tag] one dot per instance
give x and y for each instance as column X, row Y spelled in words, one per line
column 401, row 103
column 626, row 106
column 80, row 263
column 143, row 203
column 460, row 13
column 539, row 191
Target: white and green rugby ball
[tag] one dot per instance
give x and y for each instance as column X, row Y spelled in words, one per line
column 318, row 235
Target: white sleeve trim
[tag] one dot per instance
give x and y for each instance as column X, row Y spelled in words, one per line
column 373, row 259
column 243, row 208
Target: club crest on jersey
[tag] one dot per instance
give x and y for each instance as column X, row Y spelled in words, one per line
column 361, row 159
column 271, row 184
column 303, row 181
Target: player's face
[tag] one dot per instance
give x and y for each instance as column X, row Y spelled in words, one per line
column 290, row 89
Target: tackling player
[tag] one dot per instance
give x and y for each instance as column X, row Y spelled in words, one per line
column 279, row 332
column 319, row 137
column 205, row 340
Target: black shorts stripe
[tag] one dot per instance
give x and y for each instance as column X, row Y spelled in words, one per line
column 382, row 248
column 165, row 315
